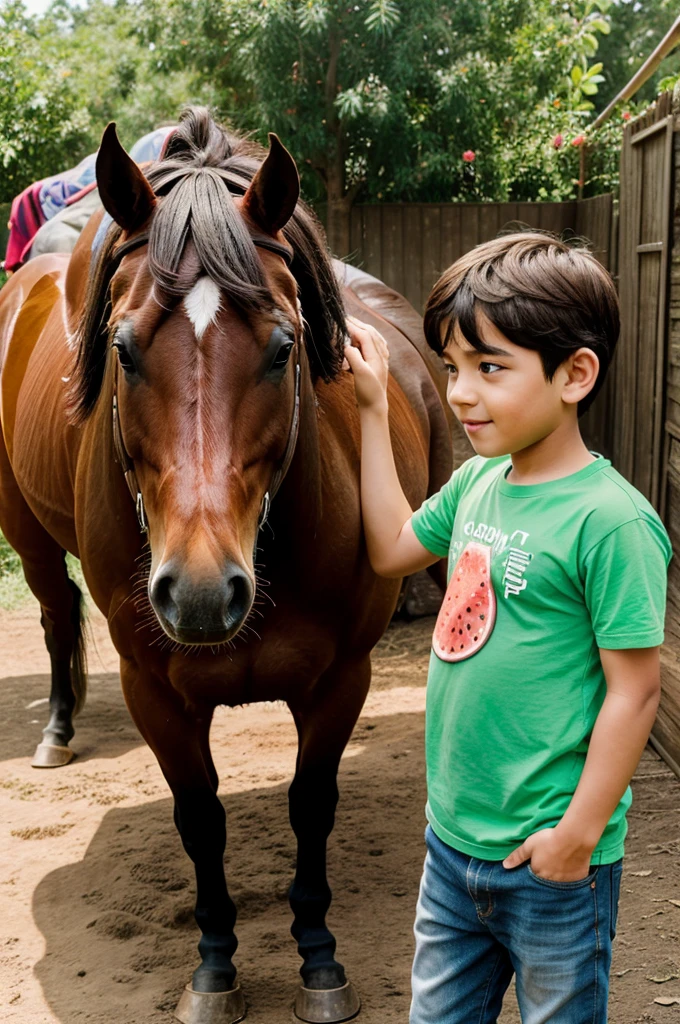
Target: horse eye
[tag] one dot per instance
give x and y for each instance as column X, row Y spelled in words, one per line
column 124, row 358
column 280, row 360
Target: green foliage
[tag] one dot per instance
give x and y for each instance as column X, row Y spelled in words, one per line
column 13, row 587
column 42, row 116
column 65, row 75
column 637, row 26
column 9, row 559
column 378, row 100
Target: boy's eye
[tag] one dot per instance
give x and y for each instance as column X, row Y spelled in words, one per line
column 486, row 368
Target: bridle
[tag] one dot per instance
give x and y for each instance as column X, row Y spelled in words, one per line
column 121, row 454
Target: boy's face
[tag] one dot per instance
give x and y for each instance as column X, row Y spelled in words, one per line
column 506, row 393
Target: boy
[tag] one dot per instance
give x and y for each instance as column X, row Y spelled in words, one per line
column 533, row 731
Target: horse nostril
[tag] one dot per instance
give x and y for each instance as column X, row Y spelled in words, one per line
column 162, row 596
column 238, row 597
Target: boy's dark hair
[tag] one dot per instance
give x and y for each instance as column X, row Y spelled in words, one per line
column 539, row 291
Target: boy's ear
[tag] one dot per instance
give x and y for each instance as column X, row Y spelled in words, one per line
column 581, row 369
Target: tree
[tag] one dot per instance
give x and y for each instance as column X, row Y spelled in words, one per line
column 42, row 116
column 65, row 75
column 637, row 27
column 388, row 99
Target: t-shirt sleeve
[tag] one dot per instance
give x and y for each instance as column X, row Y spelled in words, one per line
column 625, row 585
column 433, row 522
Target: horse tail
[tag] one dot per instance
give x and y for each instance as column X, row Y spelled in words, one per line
column 79, row 655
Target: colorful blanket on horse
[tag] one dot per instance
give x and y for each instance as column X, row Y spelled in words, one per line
column 44, row 199
column 24, row 220
column 56, row 191
column 39, row 203
column 61, row 232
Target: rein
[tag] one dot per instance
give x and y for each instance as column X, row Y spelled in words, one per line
column 121, row 454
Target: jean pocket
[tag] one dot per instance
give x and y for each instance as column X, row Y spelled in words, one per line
column 551, row 883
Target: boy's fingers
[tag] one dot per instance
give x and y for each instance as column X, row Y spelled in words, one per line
column 353, row 356
column 367, row 330
column 517, row 857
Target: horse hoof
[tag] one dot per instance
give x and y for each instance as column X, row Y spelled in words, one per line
column 211, row 1007
column 327, row 1005
column 48, row 756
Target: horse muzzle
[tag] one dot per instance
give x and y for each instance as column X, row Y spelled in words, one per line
column 201, row 611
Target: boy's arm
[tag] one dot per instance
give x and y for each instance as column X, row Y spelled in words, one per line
column 618, row 738
column 393, row 548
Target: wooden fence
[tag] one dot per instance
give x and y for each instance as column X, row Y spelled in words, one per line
column 408, row 245
column 654, row 167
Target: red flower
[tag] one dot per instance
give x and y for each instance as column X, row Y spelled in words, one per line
column 557, row 141
column 578, row 141
column 626, row 115
column 469, row 156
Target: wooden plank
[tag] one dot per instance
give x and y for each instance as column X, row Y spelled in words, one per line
column 652, row 129
column 650, row 247
column 372, row 239
column 593, row 222
column 643, row 415
column 666, row 732
column 613, row 262
column 430, row 246
column 356, row 236
column 555, row 217
column 660, row 472
column 413, row 269
column 507, row 216
column 469, row 226
column 626, row 357
column 529, row 214
column 451, row 245
column 393, row 245
column 488, row 220
column 649, row 268
column 666, row 462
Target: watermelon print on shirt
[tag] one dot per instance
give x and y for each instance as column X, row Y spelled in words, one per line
column 576, row 564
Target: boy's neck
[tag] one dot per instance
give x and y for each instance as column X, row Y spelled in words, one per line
column 561, row 453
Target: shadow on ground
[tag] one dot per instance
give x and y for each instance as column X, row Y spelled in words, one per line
column 120, row 939
column 103, row 729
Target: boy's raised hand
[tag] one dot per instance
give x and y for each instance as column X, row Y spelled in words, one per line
column 367, row 356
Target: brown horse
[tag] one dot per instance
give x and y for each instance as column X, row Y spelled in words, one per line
column 151, row 406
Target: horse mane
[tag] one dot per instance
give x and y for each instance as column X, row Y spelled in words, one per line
column 203, row 167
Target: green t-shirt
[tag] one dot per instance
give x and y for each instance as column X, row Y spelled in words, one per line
column 577, row 564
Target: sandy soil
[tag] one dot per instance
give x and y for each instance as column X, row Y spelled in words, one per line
column 96, row 891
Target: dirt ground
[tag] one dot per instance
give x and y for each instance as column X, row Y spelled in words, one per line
column 96, row 892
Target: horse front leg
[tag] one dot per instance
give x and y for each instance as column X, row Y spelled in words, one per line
column 324, row 728
column 179, row 737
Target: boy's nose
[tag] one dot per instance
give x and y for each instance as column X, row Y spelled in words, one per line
column 461, row 393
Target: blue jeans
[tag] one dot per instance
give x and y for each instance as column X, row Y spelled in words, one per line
column 478, row 923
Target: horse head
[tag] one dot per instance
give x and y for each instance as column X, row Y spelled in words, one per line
column 206, row 339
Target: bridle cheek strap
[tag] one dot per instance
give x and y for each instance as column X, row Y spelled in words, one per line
column 126, row 462
column 279, row 474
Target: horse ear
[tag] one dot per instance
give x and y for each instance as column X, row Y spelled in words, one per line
column 123, row 189
column 274, row 191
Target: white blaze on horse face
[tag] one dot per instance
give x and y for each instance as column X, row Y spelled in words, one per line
column 203, row 304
